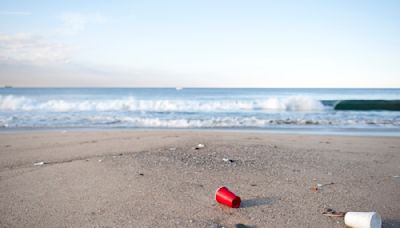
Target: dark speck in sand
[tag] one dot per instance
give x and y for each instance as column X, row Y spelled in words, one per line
column 7, row 145
column 253, row 185
column 275, row 146
column 239, row 225
column 141, row 174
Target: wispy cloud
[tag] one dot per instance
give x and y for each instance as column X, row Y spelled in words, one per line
column 73, row 23
column 29, row 49
column 15, row 13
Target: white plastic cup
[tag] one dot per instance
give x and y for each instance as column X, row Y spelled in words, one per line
column 363, row 220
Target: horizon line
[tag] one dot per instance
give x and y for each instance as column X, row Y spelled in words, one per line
column 180, row 87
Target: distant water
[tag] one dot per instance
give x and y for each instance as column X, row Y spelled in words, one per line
column 363, row 109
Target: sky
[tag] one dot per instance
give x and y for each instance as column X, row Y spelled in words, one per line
column 208, row 43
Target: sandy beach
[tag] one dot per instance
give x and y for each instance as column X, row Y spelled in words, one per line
column 157, row 179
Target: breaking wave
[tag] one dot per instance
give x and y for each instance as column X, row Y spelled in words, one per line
column 368, row 105
column 293, row 103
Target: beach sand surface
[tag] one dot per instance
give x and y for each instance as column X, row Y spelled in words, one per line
column 156, row 178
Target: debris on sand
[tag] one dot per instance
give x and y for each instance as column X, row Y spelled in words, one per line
column 319, row 187
column 224, row 196
column 172, row 149
column 228, row 160
column 332, row 213
column 39, row 163
column 363, row 219
column 357, row 219
column 322, row 185
column 118, row 155
column 199, row 146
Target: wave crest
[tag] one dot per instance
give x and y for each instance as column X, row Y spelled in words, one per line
column 294, row 103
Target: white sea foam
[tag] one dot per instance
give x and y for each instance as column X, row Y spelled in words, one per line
column 294, row 103
column 232, row 122
column 216, row 122
column 183, row 121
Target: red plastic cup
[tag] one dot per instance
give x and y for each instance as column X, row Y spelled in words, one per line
column 226, row 197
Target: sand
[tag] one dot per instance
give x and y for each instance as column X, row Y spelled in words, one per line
column 157, row 179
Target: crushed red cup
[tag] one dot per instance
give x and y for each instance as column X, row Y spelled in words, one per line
column 224, row 196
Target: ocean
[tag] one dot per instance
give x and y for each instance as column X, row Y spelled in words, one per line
column 190, row 108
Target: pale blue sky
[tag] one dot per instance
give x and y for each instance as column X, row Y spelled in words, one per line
column 200, row 43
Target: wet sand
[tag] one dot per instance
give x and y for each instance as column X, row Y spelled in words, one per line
column 157, row 179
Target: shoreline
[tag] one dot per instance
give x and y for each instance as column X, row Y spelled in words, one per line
column 373, row 132
column 156, row 178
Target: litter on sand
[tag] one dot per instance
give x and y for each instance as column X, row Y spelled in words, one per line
column 363, row 220
column 319, row 187
column 224, row 196
column 357, row 219
column 39, row 163
column 322, row 185
column 332, row 213
column 228, row 160
column 199, row 146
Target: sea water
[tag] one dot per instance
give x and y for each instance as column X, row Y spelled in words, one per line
column 189, row 108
